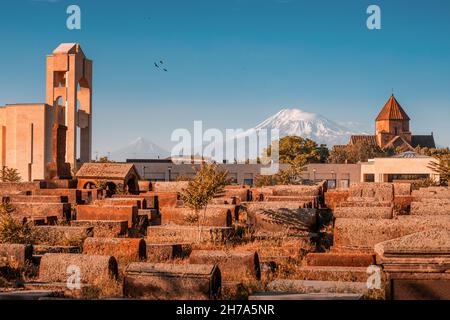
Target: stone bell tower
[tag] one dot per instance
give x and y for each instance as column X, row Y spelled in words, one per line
column 69, row 90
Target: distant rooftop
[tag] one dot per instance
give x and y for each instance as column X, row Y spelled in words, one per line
column 410, row 154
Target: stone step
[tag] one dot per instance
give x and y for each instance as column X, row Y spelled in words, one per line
column 313, row 286
column 309, row 296
column 333, row 273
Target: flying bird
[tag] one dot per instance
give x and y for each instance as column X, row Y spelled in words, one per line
column 156, row 65
column 161, row 62
column 165, row 69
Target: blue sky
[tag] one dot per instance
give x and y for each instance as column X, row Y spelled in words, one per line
column 233, row 63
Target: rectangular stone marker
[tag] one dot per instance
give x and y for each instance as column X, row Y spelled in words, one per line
column 104, row 228
column 61, row 235
column 365, row 211
column 123, row 249
column 140, row 203
column 340, row 259
column 158, row 281
column 33, row 209
column 151, row 198
column 115, row 213
column 162, row 252
column 73, row 195
column 57, row 267
column 38, row 199
column 172, row 186
column 364, row 234
column 16, row 254
column 188, row 234
column 312, row 286
column 153, row 217
column 213, row 216
column 234, row 265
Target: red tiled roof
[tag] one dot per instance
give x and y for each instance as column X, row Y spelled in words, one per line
column 368, row 139
column 392, row 111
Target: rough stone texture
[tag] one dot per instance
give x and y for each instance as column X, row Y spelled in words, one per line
column 7, row 188
column 417, row 265
column 29, row 295
column 302, row 297
column 377, row 191
column 340, row 259
column 90, row 195
column 169, row 186
column 431, row 193
column 43, row 249
column 335, row 197
column 213, row 216
column 310, row 201
column 188, row 234
column 402, row 204
column 365, row 211
column 243, row 194
column 73, row 195
column 59, row 184
column 431, row 208
column 122, row 202
column 115, row 213
column 296, row 190
column 33, row 209
column 311, row 286
column 148, row 217
column 61, row 236
column 234, row 290
column 104, row 228
column 150, row 198
column 278, row 219
column 162, row 252
column 364, row 234
column 38, row 199
column 159, row 281
column 123, row 249
column 427, row 247
column 59, row 168
column 249, row 209
column 144, row 185
column 402, row 189
column 233, row 265
column 16, row 254
column 332, row 273
column 54, row 267
column 225, row 200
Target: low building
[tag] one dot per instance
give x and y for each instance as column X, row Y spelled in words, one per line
column 406, row 166
column 337, row 175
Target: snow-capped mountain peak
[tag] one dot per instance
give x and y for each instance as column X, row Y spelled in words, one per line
column 296, row 122
column 140, row 148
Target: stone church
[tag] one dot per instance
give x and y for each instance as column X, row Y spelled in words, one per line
column 47, row 140
column 392, row 130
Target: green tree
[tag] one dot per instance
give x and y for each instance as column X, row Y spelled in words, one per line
column 9, row 175
column 294, row 148
column 291, row 175
column 442, row 167
column 11, row 229
column 357, row 152
column 207, row 183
